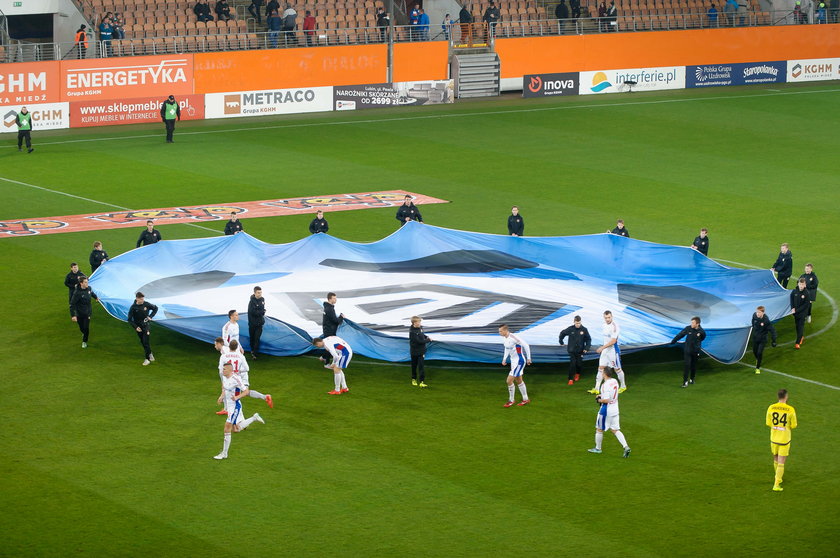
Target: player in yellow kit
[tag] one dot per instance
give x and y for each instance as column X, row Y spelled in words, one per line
column 781, row 418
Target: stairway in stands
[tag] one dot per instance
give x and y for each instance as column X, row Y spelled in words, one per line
column 476, row 72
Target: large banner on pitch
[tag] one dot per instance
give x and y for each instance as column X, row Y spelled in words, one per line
column 264, row 103
column 639, row 79
column 131, row 111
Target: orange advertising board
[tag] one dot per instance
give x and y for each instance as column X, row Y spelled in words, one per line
column 29, row 82
column 131, row 111
column 254, row 70
column 424, row 61
column 126, row 78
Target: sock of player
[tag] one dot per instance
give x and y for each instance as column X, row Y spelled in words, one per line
column 256, row 394
column 620, row 374
column 337, row 379
column 599, row 438
column 775, row 465
column 511, row 390
column 245, row 423
column 621, row 439
column 598, row 379
column 343, row 381
column 226, row 445
column 523, row 391
column 780, row 472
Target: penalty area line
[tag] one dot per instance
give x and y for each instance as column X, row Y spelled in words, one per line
column 786, row 375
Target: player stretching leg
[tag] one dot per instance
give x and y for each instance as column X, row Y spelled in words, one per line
column 235, row 356
column 781, row 418
column 608, row 414
column 341, row 354
column 232, row 391
column 610, row 354
column 520, row 353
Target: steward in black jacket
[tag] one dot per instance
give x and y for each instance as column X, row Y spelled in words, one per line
column 783, row 266
column 417, row 341
column 256, row 320
column 234, row 225
column 139, row 316
column 516, row 224
column 319, row 224
column 761, row 326
column 408, row 212
column 80, row 308
column 800, row 303
column 694, row 336
column 71, row 280
column 579, row 342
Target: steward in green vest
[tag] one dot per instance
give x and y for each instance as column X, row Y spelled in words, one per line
column 24, row 124
column 169, row 113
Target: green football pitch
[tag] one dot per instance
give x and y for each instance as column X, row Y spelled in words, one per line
column 103, row 456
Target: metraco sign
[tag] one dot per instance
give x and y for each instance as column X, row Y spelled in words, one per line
column 45, row 116
column 813, row 70
column 31, row 82
column 126, row 78
column 263, row 103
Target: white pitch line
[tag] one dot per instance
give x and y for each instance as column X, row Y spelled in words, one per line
column 59, row 192
column 786, row 375
column 435, row 116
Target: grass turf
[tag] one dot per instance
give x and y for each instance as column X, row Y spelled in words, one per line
column 105, row 457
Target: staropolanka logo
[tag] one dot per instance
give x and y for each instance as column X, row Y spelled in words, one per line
column 536, row 84
column 600, row 82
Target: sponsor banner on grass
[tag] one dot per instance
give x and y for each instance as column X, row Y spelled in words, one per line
column 264, row 103
column 549, row 85
column 131, row 111
column 714, row 75
column 126, row 78
column 29, row 82
column 45, row 116
column 381, row 95
column 813, row 70
column 639, row 79
column 204, row 213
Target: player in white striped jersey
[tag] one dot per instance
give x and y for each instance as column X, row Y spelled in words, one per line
column 341, row 354
column 608, row 413
column 520, row 354
column 610, row 354
column 230, row 331
column 233, row 390
column 235, row 358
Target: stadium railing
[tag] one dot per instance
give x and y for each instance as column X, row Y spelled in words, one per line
column 18, row 51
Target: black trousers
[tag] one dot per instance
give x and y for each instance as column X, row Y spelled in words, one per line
column 783, row 279
column 418, row 365
column 758, row 351
column 690, row 366
column 24, row 134
column 575, row 364
column 800, row 325
column 84, row 326
column 170, row 129
column 143, row 335
column 254, row 334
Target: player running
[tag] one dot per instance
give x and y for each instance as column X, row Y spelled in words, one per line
column 233, row 356
column 232, row 391
column 781, row 418
column 341, row 354
column 610, row 354
column 608, row 414
column 520, row 354
column 230, row 331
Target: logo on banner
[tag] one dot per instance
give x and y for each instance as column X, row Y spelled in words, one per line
column 813, row 70
column 548, row 85
column 49, row 116
column 233, row 104
column 165, row 72
column 345, row 105
column 10, row 118
column 535, row 85
column 703, row 76
column 204, row 213
column 369, row 200
column 600, row 82
column 796, row 71
column 29, row 226
column 22, row 87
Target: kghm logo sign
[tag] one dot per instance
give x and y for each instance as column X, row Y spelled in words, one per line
column 165, row 72
column 23, row 82
column 42, row 115
column 796, row 71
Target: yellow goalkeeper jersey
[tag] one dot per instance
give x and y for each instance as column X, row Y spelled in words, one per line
column 781, row 418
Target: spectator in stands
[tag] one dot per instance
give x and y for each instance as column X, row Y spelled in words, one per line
column 271, row 7
column 254, row 10
column 561, row 12
column 574, row 5
column 602, row 16
column 383, row 22
column 712, row 15
column 742, row 13
column 105, row 34
column 414, row 20
column 821, row 12
column 491, row 19
column 423, row 25
column 275, row 25
column 834, row 11
column 612, row 17
column 81, row 41
column 730, row 8
column 446, row 26
column 202, row 11
column 119, row 26
column 308, row 27
column 222, row 11
column 465, row 17
column 290, row 24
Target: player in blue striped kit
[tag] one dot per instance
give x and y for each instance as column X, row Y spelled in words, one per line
column 341, row 354
column 520, row 355
column 232, row 391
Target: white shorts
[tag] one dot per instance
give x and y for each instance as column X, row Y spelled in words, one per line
column 517, row 368
column 243, row 376
column 605, row 422
column 610, row 357
column 234, row 415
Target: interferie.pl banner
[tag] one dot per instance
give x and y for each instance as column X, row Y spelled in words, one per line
column 383, row 95
column 131, row 111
